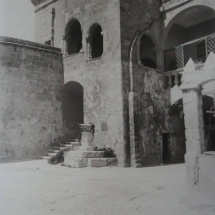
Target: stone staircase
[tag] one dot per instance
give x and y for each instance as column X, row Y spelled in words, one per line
column 75, row 143
column 80, row 159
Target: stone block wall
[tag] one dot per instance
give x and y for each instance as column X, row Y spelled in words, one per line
column 101, row 78
column 31, row 79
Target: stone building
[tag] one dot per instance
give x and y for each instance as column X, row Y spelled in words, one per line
column 122, row 63
column 31, row 80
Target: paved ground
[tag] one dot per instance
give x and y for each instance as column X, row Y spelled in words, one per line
column 37, row 188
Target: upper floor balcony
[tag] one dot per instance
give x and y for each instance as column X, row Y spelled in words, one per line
column 188, row 34
column 198, row 50
column 175, row 59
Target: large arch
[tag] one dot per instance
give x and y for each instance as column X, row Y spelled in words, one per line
column 187, row 35
column 73, row 37
column 72, row 109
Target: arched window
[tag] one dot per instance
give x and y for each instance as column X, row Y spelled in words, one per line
column 73, row 37
column 147, row 52
column 96, row 41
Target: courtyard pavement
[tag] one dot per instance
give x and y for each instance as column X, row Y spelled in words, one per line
column 37, row 188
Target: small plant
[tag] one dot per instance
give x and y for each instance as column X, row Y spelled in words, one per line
column 59, row 157
column 108, row 152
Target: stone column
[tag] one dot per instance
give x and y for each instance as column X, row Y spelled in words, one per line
column 194, row 130
column 64, row 44
column 87, row 137
column 133, row 123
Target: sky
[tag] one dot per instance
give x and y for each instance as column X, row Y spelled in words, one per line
column 17, row 19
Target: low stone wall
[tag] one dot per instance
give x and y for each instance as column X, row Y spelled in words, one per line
column 31, row 78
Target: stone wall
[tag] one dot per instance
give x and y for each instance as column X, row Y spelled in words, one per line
column 153, row 101
column 137, row 16
column 30, row 98
column 106, row 80
column 101, row 78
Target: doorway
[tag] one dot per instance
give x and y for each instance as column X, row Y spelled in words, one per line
column 73, row 110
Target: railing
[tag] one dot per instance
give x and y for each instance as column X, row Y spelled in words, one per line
column 172, row 78
column 198, row 50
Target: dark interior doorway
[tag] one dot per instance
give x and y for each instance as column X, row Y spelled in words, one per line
column 209, row 123
column 166, row 148
column 73, row 110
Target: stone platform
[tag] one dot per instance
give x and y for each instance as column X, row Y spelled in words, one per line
column 80, row 159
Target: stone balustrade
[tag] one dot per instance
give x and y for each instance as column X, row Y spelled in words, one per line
column 172, row 78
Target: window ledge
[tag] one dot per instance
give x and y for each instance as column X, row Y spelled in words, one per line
column 97, row 58
column 149, row 68
column 65, row 55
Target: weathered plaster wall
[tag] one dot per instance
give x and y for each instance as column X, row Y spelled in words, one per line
column 152, row 118
column 101, row 78
column 30, row 100
column 149, row 85
column 157, row 117
column 136, row 15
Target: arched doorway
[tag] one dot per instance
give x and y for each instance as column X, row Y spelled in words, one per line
column 72, row 109
column 190, row 34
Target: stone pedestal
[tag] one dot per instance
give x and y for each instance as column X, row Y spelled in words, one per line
column 80, row 159
column 86, row 156
column 87, row 137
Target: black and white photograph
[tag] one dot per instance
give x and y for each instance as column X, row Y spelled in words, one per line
column 107, row 107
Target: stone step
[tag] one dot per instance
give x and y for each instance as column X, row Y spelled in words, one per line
column 80, row 159
column 62, row 147
column 73, row 143
column 75, row 162
column 89, row 162
column 68, row 145
column 56, row 151
column 74, row 140
column 84, row 154
column 101, row 162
